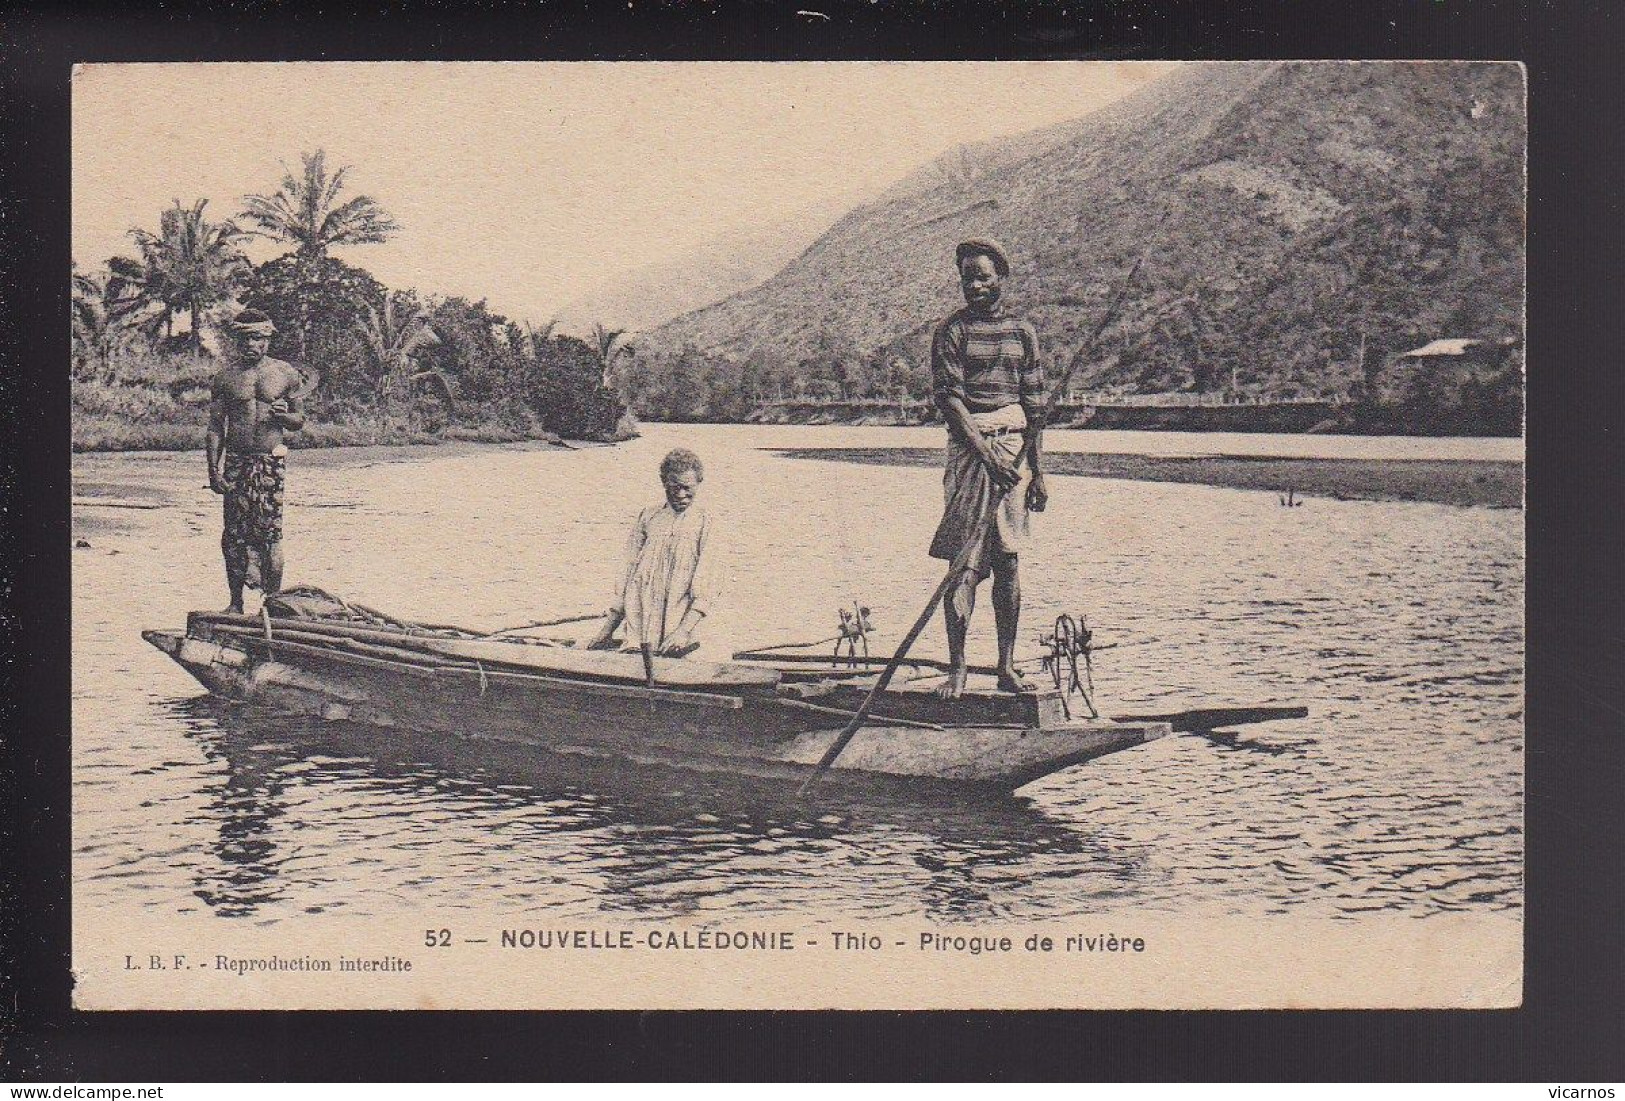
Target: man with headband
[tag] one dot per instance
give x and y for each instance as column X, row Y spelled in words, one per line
column 989, row 385
column 254, row 401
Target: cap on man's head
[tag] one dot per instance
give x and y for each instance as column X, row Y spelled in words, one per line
column 983, row 246
column 252, row 323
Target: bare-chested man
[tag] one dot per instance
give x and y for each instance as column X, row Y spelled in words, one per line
column 255, row 400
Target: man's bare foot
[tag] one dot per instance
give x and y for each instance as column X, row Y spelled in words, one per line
column 954, row 686
column 1012, row 681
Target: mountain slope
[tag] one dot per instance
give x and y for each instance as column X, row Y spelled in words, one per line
column 1296, row 213
column 652, row 295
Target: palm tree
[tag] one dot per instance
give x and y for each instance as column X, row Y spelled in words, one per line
column 538, row 337
column 189, row 264
column 609, row 346
column 302, row 212
column 127, row 278
column 305, row 213
column 105, row 310
column 394, row 342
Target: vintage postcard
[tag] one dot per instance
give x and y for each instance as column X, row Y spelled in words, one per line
column 802, row 535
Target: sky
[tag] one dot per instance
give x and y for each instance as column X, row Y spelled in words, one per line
column 533, row 185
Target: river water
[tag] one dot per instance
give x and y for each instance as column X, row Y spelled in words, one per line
column 1398, row 624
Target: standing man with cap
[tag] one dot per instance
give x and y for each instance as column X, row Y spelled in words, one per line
column 254, row 401
column 988, row 383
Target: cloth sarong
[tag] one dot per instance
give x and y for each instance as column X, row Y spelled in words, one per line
column 253, row 510
column 967, row 490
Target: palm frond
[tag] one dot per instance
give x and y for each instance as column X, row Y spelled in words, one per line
column 540, row 336
column 434, row 380
column 358, row 221
column 190, row 263
column 105, row 309
column 393, row 341
column 312, row 189
column 305, row 212
column 418, row 339
column 126, row 269
column 88, row 318
column 371, row 328
column 302, row 213
column 334, row 184
column 605, row 340
column 271, row 212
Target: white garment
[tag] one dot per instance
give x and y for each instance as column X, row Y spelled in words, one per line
column 670, row 570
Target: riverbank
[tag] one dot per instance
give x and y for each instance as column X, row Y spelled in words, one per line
column 124, row 417
column 155, row 401
column 1467, row 482
column 1262, row 418
column 101, row 434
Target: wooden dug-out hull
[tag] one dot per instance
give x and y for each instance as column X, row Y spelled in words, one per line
column 986, row 741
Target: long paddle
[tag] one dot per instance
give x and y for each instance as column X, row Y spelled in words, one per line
column 1105, row 319
column 972, row 548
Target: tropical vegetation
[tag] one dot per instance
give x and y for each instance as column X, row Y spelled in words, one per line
column 383, row 365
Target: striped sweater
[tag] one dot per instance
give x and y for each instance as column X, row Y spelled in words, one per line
column 988, row 358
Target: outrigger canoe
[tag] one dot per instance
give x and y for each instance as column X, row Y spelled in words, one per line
column 745, row 717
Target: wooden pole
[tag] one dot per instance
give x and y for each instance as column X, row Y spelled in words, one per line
column 647, row 650
column 844, row 665
column 547, row 623
column 761, row 651
column 1105, row 320
column 955, row 569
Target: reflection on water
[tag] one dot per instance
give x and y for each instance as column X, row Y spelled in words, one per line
column 1398, row 625
column 650, row 835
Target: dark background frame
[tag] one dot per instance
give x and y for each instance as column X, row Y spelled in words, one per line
column 1570, row 1026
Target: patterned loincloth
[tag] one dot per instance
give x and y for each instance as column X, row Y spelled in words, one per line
column 253, row 501
column 967, row 490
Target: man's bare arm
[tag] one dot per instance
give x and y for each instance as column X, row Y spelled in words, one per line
column 293, row 417
column 288, row 410
column 214, row 440
column 957, row 415
column 1033, row 438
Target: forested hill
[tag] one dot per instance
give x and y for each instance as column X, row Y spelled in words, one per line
column 1294, row 213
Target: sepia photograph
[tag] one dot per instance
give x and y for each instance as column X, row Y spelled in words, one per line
column 894, row 535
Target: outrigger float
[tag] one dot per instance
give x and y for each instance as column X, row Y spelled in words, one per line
column 760, row 715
